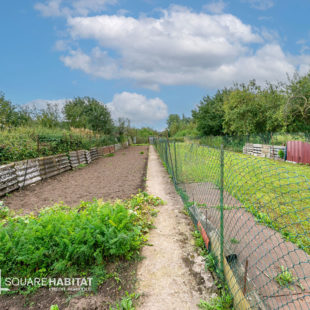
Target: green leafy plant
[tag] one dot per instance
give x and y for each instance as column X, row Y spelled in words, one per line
column 141, row 153
column 80, row 166
column 127, row 302
column 281, row 154
column 223, row 302
column 234, row 241
column 4, row 211
column 285, row 277
column 54, row 307
column 65, row 241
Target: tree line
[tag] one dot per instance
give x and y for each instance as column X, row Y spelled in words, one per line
column 246, row 109
column 80, row 112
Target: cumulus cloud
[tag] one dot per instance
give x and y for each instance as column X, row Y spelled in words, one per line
column 137, row 108
column 180, row 47
column 215, row 7
column 261, row 4
column 58, row 8
column 41, row 104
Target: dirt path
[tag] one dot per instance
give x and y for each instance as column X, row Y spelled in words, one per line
column 110, row 178
column 172, row 274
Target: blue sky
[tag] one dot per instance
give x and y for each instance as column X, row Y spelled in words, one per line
column 147, row 58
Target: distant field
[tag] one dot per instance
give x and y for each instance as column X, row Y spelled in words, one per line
column 277, row 193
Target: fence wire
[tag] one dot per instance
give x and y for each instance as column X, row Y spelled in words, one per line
column 256, row 215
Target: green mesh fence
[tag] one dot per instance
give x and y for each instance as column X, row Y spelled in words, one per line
column 256, row 215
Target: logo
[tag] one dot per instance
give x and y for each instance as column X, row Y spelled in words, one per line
column 2, row 289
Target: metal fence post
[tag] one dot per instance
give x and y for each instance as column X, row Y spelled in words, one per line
column 176, row 166
column 222, row 208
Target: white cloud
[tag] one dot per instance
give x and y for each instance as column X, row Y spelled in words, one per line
column 71, row 7
column 215, row 7
column 40, row 104
column 137, row 108
column 181, row 47
column 261, row 4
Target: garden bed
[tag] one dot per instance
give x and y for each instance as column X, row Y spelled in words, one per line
column 109, row 178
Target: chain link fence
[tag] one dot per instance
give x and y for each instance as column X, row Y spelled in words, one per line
column 254, row 216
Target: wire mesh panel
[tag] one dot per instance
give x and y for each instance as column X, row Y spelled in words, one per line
column 256, row 215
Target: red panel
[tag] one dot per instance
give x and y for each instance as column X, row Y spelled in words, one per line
column 298, row 152
column 204, row 235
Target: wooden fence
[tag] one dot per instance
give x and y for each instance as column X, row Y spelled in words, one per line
column 20, row 174
column 263, row 150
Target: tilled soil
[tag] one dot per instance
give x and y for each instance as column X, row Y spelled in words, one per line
column 110, row 178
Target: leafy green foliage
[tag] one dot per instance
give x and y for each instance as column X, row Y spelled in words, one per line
column 223, row 302
column 4, row 211
column 88, row 113
column 63, row 240
column 209, row 115
column 22, row 142
column 285, row 277
column 127, row 302
column 250, row 109
column 179, row 127
column 54, row 307
column 281, row 154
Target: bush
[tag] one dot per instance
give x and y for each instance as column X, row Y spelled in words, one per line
column 31, row 142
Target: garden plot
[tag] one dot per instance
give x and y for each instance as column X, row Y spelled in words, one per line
column 114, row 177
column 95, row 239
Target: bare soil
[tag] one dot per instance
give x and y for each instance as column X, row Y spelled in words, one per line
column 110, row 178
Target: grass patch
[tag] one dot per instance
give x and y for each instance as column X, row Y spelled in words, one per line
column 80, row 166
column 222, row 302
column 276, row 193
column 110, row 155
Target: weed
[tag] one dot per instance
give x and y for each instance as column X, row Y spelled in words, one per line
column 199, row 243
column 211, row 262
column 54, row 307
column 234, row 241
column 127, row 302
column 223, row 302
column 80, row 166
column 4, row 211
column 141, row 153
column 111, row 155
column 285, row 277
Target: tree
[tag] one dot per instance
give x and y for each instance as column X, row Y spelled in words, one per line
column 209, row 115
column 250, row 109
column 173, row 123
column 297, row 108
column 50, row 116
column 7, row 112
column 88, row 113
